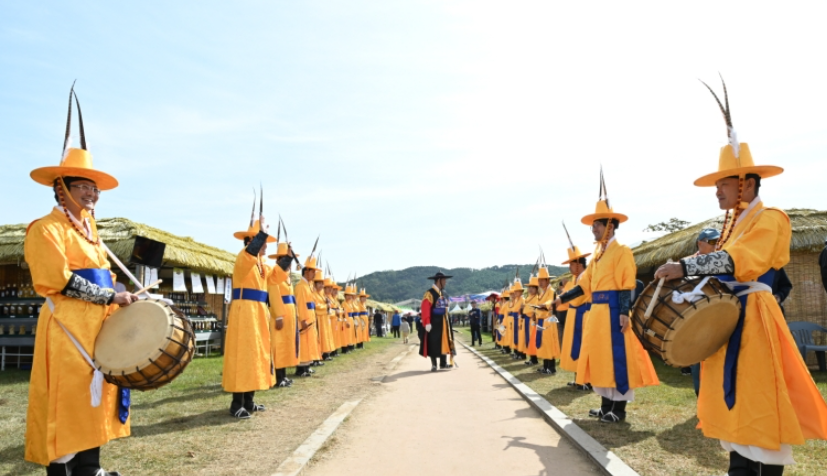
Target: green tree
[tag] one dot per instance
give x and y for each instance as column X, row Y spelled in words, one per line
column 671, row 226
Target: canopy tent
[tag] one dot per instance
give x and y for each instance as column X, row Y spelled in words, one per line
column 456, row 310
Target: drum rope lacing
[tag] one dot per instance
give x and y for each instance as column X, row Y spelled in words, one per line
column 697, row 293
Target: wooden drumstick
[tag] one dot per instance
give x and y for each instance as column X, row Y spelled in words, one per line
column 654, row 299
column 144, row 290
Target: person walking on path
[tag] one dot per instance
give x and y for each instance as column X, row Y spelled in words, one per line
column 433, row 334
column 396, row 321
column 474, row 318
column 406, row 330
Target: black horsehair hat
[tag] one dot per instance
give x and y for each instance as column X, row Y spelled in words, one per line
column 439, row 275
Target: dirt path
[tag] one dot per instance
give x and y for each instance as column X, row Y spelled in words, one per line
column 462, row 421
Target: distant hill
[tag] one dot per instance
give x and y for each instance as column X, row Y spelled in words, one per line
column 395, row 286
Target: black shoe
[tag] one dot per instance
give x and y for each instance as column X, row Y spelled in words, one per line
column 528, row 362
column 446, row 367
column 56, row 469
column 283, row 384
column 241, row 413
column 433, row 368
column 305, row 374
column 585, row 387
column 596, row 412
column 572, row 384
column 613, row 417
column 309, row 370
column 256, row 408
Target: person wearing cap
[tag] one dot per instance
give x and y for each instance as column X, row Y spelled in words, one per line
column 434, row 332
column 529, row 318
column 474, row 318
column 611, row 357
column 576, row 315
column 69, row 267
column 247, row 349
column 757, row 396
column 308, row 327
column 515, row 312
column 546, row 340
column 284, row 331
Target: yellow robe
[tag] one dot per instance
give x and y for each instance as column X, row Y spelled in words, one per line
column 308, row 338
column 566, row 362
column 550, row 347
column 501, row 321
column 776, row 401
column 60, row 419
column 530, row 345
column 284, row 342
column 615, row 271
column 323, row 321
column 335, row 322
column 365, row 318
column 350, row 329
column 247, row 350
column 517, row 338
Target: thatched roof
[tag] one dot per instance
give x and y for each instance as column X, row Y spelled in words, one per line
column 809, row 231
column 119, row 235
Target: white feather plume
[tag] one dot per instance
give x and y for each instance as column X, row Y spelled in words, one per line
column 733, row 141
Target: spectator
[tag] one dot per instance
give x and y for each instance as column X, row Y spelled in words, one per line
column 406, row 330
column 474, row 317
column 822, row 263
column 707, row 239
column 377, row 323
column 396, row 321
column 781, row 287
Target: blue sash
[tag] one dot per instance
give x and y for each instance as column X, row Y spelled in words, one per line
column 500, row 318
column 539, row 339
column 527, row 330
column 734, row 344
column 612, row 298
column 577, row 338
column 289, row 299
column 311, row 305
column 249, row 294
column 515, row 331
column 437, row 311
column 101, row 277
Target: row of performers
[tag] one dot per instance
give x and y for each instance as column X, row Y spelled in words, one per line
column 273, row 326
column 757, row 396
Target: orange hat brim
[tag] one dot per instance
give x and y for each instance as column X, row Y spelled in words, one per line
column 47, row 175
column 582, row 255
column 763, row 171
column 590, row 219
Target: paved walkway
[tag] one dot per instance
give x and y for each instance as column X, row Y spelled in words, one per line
column 461, row 421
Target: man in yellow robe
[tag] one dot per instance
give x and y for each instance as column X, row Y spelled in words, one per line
column 515, row 311
column 322, row 317
column 529, row 318
column 546, row 340
column 247, row 349
column 576, row 315
column 308, row 334
column 284, row 331
column 68, row 420
column 756, row 395
column 334, row 314
column 364, row 317
column 350, row 321
column 612, row 358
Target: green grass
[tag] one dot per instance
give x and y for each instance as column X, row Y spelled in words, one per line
column 659, row 435
column 185, row 427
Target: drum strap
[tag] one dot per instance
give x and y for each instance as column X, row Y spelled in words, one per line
column 742, row 290
column 577, row 338
column 621, row 373
column 96, row 388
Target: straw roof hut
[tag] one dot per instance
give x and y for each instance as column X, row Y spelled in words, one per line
column 119, row 235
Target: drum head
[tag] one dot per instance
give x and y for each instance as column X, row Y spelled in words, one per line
column 703, row 332
column 133, row 335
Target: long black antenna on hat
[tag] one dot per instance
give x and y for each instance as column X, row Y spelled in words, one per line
column 536, row 266
column 278, row 231
column 604, row 195
column 68, row 120
column 253, row 212
column 571, row 243
column 80, row 121
column 261, row 200
column 315, row 245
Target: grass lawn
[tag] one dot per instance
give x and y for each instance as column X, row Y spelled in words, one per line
column 185, row 428
column 659, row 435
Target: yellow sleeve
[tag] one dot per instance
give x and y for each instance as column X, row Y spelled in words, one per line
column 45, row 253
column 244, row 262
column 277, row 307
column 765, row 245
column 625, row 269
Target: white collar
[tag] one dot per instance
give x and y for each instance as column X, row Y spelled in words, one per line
column 752, row 205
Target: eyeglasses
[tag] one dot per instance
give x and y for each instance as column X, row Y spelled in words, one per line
column 712, row 242
column 87, row 188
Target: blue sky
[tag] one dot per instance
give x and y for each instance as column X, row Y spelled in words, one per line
column 410, row 133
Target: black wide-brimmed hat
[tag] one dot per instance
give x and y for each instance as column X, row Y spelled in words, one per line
column 439, row 275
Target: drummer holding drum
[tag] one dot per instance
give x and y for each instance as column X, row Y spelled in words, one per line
column 757, row 396
column 68, row 420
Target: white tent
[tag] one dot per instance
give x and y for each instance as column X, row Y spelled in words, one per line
column 456, row 309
